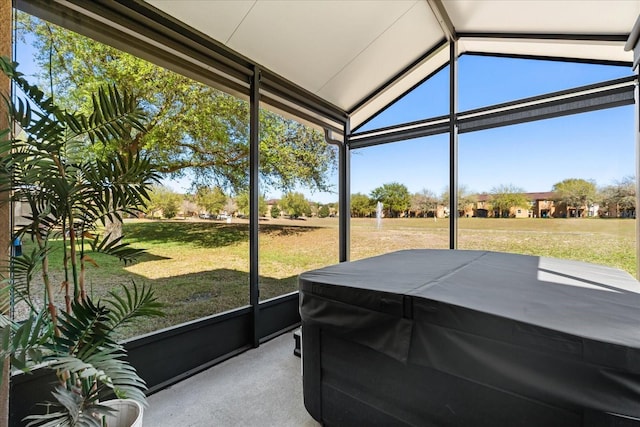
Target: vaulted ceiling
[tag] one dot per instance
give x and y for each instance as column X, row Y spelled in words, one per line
column 359, row 55
column 343, row 58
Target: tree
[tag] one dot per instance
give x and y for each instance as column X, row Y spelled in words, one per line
column 394, row 196
column 295, row 205
column 230, row 206
column 425, row 201
column 361, row 205
column 211, row 199
column 262, row 205
column 163, row 199
column 465, row 198
column 315, row 207
column 192, row 127
column 334, row 207
column 275, row 211
column 242, row 204
column 323, row 211
column 575, row 193
column 189, row 207
column 505, row 197
column 620, row 197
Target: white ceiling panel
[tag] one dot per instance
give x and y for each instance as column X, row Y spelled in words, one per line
column 346, row 51
column 402, row 44
column 543, row 16
column 309, row 42
column 218, row 19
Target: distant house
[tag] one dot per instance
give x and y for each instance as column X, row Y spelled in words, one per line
column 482, row 208
column 543, row 204
column 614, row 210
column 440, row 211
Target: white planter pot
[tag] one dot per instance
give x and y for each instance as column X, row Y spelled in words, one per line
column 128, row 413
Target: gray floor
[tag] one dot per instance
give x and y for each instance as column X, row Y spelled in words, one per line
column 261, row 387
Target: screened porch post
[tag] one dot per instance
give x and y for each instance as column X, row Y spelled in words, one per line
column 633, row 44
column 254, row 195
column 453, row 144
column 344, row 196
column 637, row 131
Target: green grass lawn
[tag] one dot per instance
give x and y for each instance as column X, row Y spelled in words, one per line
column 602, row 241
column 199, row 268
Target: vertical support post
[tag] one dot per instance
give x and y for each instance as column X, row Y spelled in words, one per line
column 5, row 207
column 453, row 144
column 344, row 195
column 633, row 44
column 637, row 124
column 254, row 195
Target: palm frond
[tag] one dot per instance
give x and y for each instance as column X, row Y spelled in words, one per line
column 24, row 342
column 70, row 409
column 119, row 377
column 133, row 304
column 24, row 268
column 126, row 382
column 86, row 325
column 5, row 300
column 113, row 115
column 6, row 172
column 121, row 182
column 10, row 69
column 44, row 130
column 85, row 351
column 105, row 368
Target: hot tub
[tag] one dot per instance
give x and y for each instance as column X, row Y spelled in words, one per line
column 470, row 338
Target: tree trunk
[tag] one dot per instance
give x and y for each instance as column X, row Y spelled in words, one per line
column 5, row 208
column 113, row 227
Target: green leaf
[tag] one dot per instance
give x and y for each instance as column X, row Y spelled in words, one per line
column 139, row 303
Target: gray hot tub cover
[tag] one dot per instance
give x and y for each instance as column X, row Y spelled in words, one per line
column 558, row 331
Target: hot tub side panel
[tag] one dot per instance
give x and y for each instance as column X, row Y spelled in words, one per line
column 435, row 364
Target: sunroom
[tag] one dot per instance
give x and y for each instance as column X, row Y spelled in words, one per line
column 370, row 78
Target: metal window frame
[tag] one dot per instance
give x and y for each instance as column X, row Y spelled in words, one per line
column 453, row 144
column 608, row 94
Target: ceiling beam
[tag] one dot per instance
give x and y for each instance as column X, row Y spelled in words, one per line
column 440, row 12
column 621, row 37
column 633, row 43
column 418, row 129
column 615, row 96
column 594, row 97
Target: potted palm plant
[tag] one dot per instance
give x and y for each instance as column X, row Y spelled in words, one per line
column 71, row 192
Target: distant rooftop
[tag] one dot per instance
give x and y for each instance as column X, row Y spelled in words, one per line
column 542, row 195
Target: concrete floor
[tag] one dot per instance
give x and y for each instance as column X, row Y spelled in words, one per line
column 261, row 387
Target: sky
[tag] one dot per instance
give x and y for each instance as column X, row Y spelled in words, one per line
column 599, row 145
column 533, row 156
